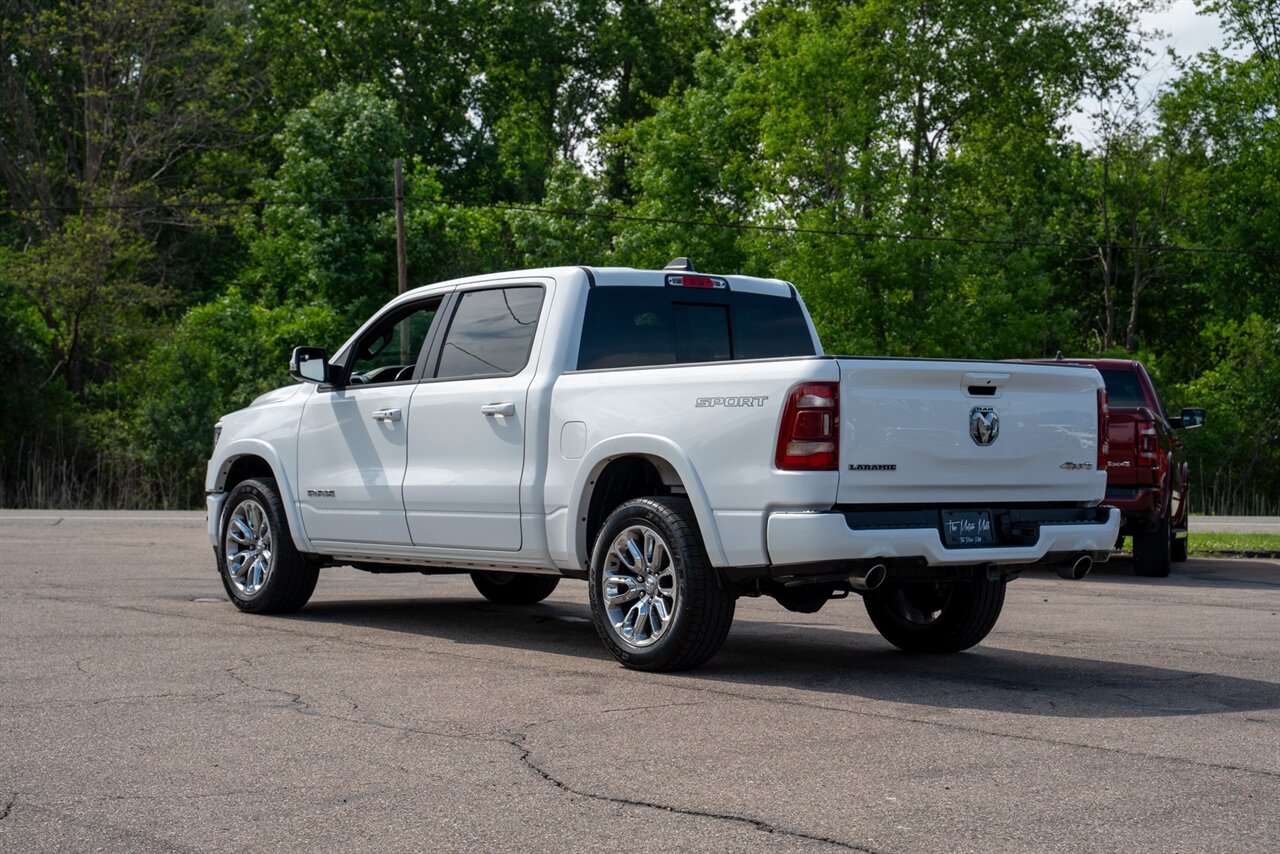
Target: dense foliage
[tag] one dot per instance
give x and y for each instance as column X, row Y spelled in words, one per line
column 192, row 188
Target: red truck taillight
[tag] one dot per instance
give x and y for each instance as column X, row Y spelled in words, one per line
column 809, row 439
column 1104, row 430
column 1148, row 449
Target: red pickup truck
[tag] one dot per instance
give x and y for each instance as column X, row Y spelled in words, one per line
column 1147, row 473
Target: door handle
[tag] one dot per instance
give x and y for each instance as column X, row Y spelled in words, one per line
column 492, row 409
column 386, row 415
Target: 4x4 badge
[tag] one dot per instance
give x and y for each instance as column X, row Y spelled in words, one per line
column 984, row 425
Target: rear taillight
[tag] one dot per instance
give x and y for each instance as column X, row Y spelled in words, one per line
column 1148, row 443
column 1104, row 430
column 809, row 439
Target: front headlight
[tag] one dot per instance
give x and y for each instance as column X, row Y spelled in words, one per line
column 217, row 432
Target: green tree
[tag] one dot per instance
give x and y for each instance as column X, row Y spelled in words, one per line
column 218, row 359
column 108, row 110
column 328, row 232
column 914, row 128
column 114, row 118
column 1222, row 113
column 581, row 234
column 420, row 55
column 646, row 51
column 1235, row 457
column 38, row 411
column 86, row 283
column 324, row 234
column 692, row 163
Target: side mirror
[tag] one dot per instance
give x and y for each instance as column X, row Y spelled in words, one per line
column 1190, row 418
column 309, row 364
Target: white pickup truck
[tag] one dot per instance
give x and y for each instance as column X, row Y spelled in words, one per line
column 676, row 439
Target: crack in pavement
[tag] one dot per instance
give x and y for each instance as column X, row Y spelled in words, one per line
column 302, row 707
column 297, row 704
column 491, row 661
column 185, row 695
column 516, row 740
column 295, row 699
column 8, row 807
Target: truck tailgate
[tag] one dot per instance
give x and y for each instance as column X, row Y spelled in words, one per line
column 967, row 433
column 1123, row 453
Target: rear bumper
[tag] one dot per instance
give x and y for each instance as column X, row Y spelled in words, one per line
column 829, row 538
column 1141, row 506
column 1134, row 500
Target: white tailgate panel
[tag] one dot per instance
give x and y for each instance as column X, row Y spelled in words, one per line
column 905, row 433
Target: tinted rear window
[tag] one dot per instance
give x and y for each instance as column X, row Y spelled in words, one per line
column 1123, row 388
column 632, row 326
column 491, row 333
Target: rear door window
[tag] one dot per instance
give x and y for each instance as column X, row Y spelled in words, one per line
column 491, row 333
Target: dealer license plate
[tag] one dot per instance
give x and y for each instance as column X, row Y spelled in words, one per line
column 967, row 528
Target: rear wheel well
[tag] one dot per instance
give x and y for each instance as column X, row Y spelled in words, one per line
column 621, row 480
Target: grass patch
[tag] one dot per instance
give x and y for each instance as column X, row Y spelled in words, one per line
column 1210, row 544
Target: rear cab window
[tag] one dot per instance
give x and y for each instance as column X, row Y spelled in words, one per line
column 634, row 326
column 1123, row 388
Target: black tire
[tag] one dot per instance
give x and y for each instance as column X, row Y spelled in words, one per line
column 1178, row 550
column 936, row 617
column 698, row 605
column 1152, row 551
column 514, row 588
column 290, row 578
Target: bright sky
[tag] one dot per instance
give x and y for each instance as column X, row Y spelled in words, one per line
column 1189, row 32
column 1186, row 31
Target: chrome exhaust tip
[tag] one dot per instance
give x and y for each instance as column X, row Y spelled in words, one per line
column 869, row 579
column 1077, row 570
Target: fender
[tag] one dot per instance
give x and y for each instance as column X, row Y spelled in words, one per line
column 288, row 496
column 639, row 444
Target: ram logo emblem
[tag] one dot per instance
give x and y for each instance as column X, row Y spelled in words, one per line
column 984, row 425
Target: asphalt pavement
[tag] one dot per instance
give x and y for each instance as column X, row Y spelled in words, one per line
column 142, row 712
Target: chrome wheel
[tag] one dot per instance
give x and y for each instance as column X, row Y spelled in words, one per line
column 639, row 586
column 247, row 547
